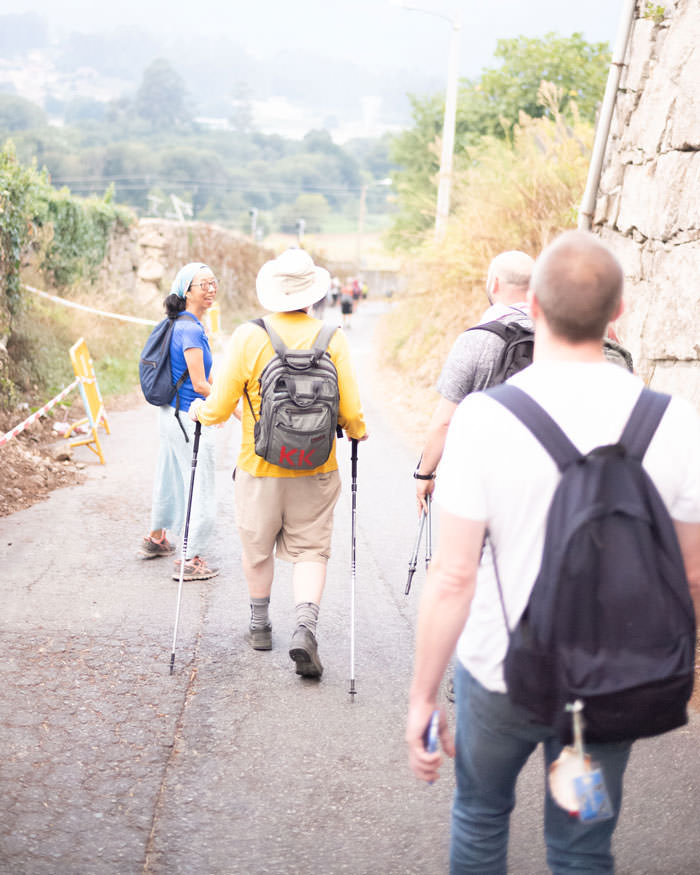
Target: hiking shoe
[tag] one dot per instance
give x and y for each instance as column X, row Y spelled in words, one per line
column 196, row 568
column 303, row 649
column 151, row 549
column 260, row 638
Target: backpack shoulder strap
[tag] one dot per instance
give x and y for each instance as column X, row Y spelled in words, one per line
column 278, row 344
column 495, row 327
column 538, row 421
column 643, row 422
column 323, row 338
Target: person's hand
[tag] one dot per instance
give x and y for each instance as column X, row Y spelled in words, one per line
column 194, row 407
column 426, row 766
column 424, row 488
column 364, row 436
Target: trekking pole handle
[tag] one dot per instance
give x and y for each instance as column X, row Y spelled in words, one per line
column 353, row 456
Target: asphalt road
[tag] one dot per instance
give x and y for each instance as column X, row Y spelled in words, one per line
column 234, row 764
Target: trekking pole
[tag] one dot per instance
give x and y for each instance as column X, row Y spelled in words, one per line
column 353, row 461
column 195, row 448
column 429, row 533
column 413, row 561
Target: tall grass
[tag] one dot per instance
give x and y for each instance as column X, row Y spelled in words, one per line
column 513, row 194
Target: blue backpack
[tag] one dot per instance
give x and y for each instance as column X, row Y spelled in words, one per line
column 154, row 368
column 610, row 619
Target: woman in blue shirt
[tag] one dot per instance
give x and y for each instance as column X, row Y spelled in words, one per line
column 192, row 294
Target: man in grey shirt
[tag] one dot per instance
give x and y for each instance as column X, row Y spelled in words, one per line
column 470, row 365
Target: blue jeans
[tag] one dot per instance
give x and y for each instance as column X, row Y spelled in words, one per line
column 494, row 740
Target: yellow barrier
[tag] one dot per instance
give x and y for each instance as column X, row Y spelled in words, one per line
column 214, row 319
column 90, row 391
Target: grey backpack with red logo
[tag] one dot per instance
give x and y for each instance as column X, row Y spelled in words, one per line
column 299, row 395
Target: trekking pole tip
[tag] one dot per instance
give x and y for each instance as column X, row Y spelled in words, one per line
column 172, row 662
column 411, row 572
column 353, row 691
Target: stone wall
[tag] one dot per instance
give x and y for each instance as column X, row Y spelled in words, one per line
column 142, row 261
column 648, row 207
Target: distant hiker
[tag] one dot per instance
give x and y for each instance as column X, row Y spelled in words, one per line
column 287, row 508
column 335, row 291
column 497, row 479
column 192, row 294
column 347, row 304
column 474, row 354
column 356, row 292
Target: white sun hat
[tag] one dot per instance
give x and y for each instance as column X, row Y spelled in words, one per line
column 291, row 282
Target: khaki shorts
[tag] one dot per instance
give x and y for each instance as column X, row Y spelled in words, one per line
column 292, row 514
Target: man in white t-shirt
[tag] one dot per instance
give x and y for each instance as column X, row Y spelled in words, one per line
column 499, row 477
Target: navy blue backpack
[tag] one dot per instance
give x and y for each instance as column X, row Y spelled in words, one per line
column 154, row 368
column 610, row 619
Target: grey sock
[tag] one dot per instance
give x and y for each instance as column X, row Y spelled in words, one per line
column 259, row 613
column 307, row 615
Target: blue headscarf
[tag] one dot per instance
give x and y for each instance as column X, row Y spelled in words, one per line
column 184, row 277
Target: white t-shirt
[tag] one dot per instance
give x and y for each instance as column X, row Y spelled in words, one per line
column 494, row 470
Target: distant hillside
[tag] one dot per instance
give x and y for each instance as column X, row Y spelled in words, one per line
column 288, row 94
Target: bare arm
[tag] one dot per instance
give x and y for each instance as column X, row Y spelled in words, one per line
column 689, row 540
column 195, row 365
column 432, row 451
column 444, row 609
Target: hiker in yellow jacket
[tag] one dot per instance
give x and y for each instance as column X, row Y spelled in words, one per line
column 279, row 510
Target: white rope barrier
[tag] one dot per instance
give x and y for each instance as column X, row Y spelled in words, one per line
column 77, row 306
column 13, row 432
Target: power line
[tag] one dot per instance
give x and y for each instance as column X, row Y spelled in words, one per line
column 132, row 183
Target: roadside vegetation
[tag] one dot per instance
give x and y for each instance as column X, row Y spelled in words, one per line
column 521, row 161
column 61, row 240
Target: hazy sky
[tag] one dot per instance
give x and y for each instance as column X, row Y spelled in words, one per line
column 373, row 32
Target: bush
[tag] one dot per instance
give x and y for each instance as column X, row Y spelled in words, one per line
column 71, row 235
column 513, row 194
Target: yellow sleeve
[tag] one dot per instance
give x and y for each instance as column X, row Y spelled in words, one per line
column 228, row 384
column 350, row 416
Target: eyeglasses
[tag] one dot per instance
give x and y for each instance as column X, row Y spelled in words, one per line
column 205, row 285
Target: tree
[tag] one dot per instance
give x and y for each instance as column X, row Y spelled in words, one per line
column 578, row 68
column 312, row 208
column 161, row 96
column 84, row 109
column 491, row 106
column 18, row 114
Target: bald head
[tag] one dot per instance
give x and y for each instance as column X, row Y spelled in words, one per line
column 509, row 277
column 578, row 284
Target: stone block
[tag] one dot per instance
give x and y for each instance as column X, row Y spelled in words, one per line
column 660, row 198
column 152, row 239
column 627, row 251
column 151, row 271
column 678, row 378
column 681, row 65
column 670, row 329
column 639, row 54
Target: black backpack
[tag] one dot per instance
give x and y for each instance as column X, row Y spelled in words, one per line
column 299, row 403
column 610, row 619
column 154, row 367
column 518, row 345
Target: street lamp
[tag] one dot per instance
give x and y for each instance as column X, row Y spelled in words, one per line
column 361, row 214
column 448, row 128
